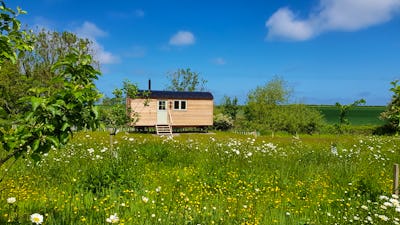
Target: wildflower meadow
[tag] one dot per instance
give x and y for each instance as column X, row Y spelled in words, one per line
column 221, row 178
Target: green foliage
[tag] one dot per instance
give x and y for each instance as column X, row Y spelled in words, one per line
column 392, row 112
column 273, row 93
column 115, row 113
column 265, row 111
column 222, row 122
column 50, row 120
column 344, row 110
column 186, row 80
column 33, row 69
column 12, row 39
column 230, row 107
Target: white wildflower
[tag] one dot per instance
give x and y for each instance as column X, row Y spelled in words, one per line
column 113, row 219
column 37, row 218
column 11, row 200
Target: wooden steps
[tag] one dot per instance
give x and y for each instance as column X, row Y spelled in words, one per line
column 164, row 129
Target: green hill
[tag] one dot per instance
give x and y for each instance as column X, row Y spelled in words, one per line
column 360, row 115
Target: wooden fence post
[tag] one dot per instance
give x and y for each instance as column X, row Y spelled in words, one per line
column 396, row 179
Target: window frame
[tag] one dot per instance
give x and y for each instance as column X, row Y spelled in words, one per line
column 162, row 105
column 179, row 108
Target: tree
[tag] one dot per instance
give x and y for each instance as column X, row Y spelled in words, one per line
column 230, row 107
column 267, row 110
column 51, row 117
column 34, row 68
column 116, row 114
column 392, row 112
column 344, row 110
column 264, row 98
column 186, row 80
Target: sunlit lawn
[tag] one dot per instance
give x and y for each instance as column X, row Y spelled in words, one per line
column 206, row 179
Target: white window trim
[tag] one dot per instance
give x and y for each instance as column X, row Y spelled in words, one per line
column 180, row 105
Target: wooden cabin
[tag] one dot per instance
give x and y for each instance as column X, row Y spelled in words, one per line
column 165, row 110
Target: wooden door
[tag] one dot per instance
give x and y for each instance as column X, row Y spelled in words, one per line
column 162, row 114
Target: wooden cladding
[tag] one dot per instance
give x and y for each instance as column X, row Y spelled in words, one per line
column 189, row 112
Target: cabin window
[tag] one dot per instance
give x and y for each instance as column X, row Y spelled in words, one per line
column 180, row 105
column 161, row 105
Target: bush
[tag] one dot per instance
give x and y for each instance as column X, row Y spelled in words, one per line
column 222, row 122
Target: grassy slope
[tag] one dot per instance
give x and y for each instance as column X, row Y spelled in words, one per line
column 361, row 115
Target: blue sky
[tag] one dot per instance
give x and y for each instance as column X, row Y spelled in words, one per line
column 327, row 50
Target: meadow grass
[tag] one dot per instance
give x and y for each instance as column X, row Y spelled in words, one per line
column 218, row 178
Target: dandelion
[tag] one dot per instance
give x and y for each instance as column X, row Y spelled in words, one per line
column 113, row 219
column 11, row 200
column 37, row 218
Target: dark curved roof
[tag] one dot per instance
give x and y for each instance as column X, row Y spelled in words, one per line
column 179, row 95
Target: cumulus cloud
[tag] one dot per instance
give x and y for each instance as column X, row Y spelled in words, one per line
column 91, row 31
column 182, row 38
column 331, row 15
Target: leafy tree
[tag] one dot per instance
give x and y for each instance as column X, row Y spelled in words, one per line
column 392, row 112
column 115, row 113
column 186, row 80
column 344, row 110
column 51, row 117
column 264, row 98
column 49, row 47
column 13, row 40
column 230, row 107
column 34, row 68
column 267, row 110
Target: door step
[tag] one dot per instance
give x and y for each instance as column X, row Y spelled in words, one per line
column 164, row 129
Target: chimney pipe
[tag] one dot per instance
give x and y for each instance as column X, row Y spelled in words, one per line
column 149, row 85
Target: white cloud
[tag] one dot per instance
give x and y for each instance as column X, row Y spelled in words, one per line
column 182, row 38
column 219, row 61
column 284, row 24
column 331, row 15
column 91, row 31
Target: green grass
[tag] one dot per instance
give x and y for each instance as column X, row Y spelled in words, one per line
column 360, row 115
column 206, row 179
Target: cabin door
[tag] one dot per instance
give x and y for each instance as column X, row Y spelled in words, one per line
column 162, row 114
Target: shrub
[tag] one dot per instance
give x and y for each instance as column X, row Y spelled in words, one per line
column 222, row 122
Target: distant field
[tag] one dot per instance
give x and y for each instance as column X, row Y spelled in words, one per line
column 361, row 115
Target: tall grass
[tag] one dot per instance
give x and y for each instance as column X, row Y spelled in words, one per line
column 206, row 179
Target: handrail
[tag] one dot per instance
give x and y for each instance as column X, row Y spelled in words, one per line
column 170, row 117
